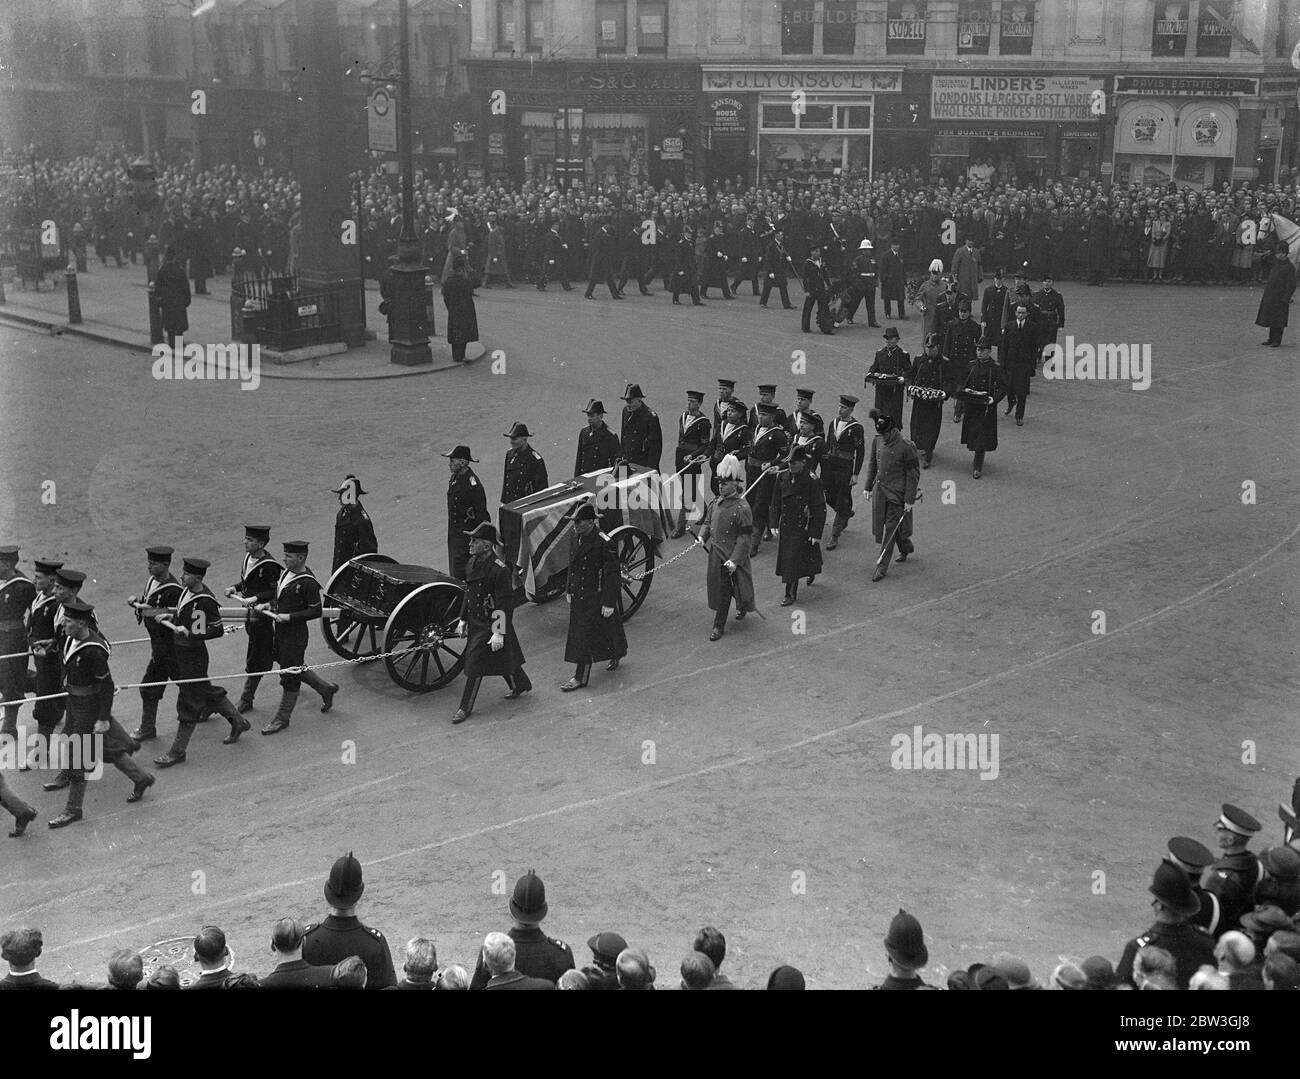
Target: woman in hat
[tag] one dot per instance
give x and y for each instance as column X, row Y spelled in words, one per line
column 726, row 535
column 488, row 621
column 458, row 297
column 593, row 594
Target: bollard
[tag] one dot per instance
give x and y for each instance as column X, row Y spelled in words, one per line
column 151, row 258
column 79, row 246
column 3, row 297
column 155, row 316
column 74, row 294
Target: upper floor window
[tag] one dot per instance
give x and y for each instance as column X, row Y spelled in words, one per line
column 797, row 17
column 1017, row 30
column 1169, row 30
column 905, row 29
column 611, row 27
column 839, row 27
column 535, row 24
column 506, row 29
column 652, row 27
column 1214, row 28
column 974, row 28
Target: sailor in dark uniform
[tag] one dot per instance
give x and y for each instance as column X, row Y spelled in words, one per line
column 48, row 663
column 808, row 437
column 162, row 591
column 804, row 406
column 733, row 437
column 641, row 438
column 767, row 396
column 342, row 934
column 488, row 622
column 598, row 446
column 1193, row 858
column 767, row 449
column 296, row 602
column 1233, row 878
column 1174, row 904
column 466, row 508
column 694, row 436
column 354, row 532
column 258, row 576
column 890, row 361
column 16, row 595
column 845, row 452
column 536, row 954
column 524, row 475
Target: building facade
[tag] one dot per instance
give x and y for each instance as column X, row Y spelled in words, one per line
column 1196, row 91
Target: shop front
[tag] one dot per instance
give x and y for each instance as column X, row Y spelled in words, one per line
column 1180, row 129
column 1014, row 128
column 802, row 124
column 604, row 124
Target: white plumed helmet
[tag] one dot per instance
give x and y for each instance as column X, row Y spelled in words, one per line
column 936, row 266
column 730, row 468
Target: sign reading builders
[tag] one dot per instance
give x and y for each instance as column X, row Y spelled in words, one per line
column 1011, row 97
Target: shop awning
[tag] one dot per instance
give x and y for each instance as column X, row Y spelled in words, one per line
column 614, row 119
column 538, row 119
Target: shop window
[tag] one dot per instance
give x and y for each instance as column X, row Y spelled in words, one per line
column 839, row 27
column 1214, row 30
column 1017, row 30
column 974, row 28
column 905, row 28
column 818, row 117
column 853, row 116
column 797, row 18
column 652, row 27
column 506, row 26
column 1169, row 30
column 611, row 27
column 535, row 24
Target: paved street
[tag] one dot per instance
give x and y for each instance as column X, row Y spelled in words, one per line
column 771, row 808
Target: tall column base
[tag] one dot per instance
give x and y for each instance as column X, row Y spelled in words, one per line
column 409, row 321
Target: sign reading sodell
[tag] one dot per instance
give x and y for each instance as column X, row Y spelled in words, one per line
column 1011, row 97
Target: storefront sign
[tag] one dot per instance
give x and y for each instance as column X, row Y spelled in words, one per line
column 673, row 149
column 462, row 131
column 588, row 85
column 721, row 78
column 728, row 116
column 497, row 144
column 1011, row 97
column 382, row 121
column 1189, row 86
column 1145, row 127
column 991, row 131
column 906, row 29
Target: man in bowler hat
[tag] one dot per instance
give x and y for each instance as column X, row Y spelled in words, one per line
column 341, row 934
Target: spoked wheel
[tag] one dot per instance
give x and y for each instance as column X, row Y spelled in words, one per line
column 636, row 558
column 552, row 589
column 349, row 636
column 423, row 629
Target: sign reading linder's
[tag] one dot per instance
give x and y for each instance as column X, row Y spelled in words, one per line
column 1012, row 97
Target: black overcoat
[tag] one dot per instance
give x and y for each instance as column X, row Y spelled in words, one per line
column 594, row 582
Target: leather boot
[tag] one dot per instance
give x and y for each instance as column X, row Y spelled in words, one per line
column 176, row 755
column 282, row 714
column 324, row 688
column 148, row 730
column 246, row 698
column 238, row 724
column 467, row 699
column 58, row 782
column 72, row 811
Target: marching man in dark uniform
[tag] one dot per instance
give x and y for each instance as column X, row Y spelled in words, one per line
column 713, row 262
column 296, row 602
column 685, row 278
column 892, row 477
column 958, row 349
column 641, row 438
column 593, row 594
column 726, row 538
column 991, row 308
column 890, row 370
column 810, row 440
column 846, row 448
column 466, row 508
column 524, row 475
column 748, row 260
column 354, row 532
column 693, row 441
column 981, row 392
column 598, row 446
column 555, row 259
column 927, row 412
column 863, row 273
column 48, row 662
column 89, row 685
column 342, row 934
column 1051, row 313
column 489, row 622
column 601, row 266
column 797, row 519
column 769, row 446
column 161, row 592
column 1237, row 873
column 817, row 292
column 1019, row 357
column 196, row 620
column 767, row 396
column 16, row 596
column 1174, row 905
column 733, row 436
column 803, row 407
column 258, row 576
column 775, row 263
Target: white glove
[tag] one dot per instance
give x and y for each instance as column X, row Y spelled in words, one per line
column 568, row 597
column 910, row 505
column 776, row 533
column 461, row 628
column 606, row 612
column 101, row 726
column 730, row 566
column 497, row 642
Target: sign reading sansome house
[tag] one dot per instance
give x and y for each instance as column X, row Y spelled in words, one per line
column 1011, row 97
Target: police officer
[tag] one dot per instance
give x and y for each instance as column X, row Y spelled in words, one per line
column 803, row 407
column 466, row 508
column 89, row 685
column 1174, row 904
column 641, row 438
column 196, row 620
column 598, row 446
column 892, row 477
column 891, row 362
column 296, row 602
column 846, row 449
column 960, row 336
column 161, row 593
column 258, row 576
column 16, row 596
column 354, row 532
column 1236, row 874
column 769, row 446
column 525, row 471
column 1193, row 858
column 342, row 934
column 48, row 661
column 817, row 292
column 694, row 436
column 536, row 954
